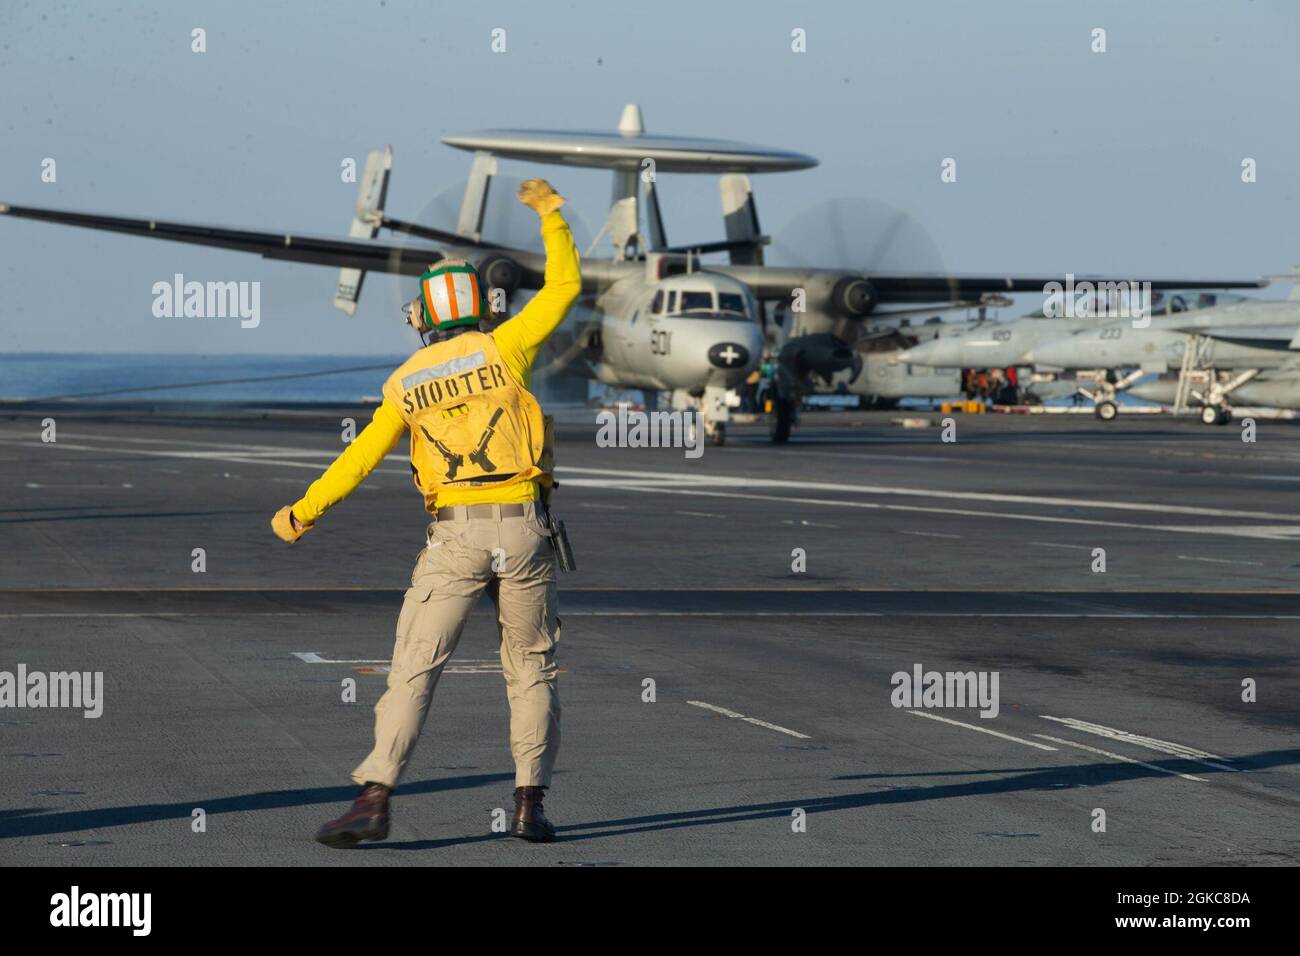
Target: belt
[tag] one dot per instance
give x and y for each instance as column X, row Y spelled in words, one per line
column 461, row 512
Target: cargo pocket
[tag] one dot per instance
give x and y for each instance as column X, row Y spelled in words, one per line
column 416, row 641
column 413, row 603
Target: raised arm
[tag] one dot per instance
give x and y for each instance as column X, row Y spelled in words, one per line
column 349, row 469
column 520, row 338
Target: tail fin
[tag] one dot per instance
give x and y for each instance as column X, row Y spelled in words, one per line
column 740, row 216
column 365, row 223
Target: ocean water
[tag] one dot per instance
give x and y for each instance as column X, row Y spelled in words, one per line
column 130, row 377
column 189, row 378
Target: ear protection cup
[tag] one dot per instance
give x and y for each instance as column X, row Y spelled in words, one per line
column 415, row 315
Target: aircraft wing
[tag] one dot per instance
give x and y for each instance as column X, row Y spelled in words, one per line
column 768, row 282
column 914, row 288
column 317, row 250
column 777, row 282
column 1266, row 336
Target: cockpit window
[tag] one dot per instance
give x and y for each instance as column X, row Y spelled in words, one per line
column 696, row 302
column 657, row 306
column 731, row 302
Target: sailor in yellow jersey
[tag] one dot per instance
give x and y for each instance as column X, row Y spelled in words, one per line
column 480, row 455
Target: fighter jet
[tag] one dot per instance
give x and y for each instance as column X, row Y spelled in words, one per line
column 1244, row 338
column 1199, row 330
column 992, row 344
column 1279, row 389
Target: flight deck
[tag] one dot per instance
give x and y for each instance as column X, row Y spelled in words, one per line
column 729, row 649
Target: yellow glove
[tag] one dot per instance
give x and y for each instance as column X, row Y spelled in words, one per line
column 287, row 527
column 539, row 196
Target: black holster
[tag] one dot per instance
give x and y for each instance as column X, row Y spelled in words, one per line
column 560, row 542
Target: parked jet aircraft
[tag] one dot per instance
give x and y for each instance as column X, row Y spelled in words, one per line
column 1245, row 338
column 1210, row 332
column 1278, row 389
column 1008, row 344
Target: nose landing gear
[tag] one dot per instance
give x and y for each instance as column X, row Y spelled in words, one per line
column 1216, row 414
column 711, row 404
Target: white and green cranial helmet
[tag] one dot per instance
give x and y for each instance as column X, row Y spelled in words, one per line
column 451, row 295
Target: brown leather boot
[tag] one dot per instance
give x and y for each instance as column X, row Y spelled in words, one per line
column 530, row 821
column 366, row 819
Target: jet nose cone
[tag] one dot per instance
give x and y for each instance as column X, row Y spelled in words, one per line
column 728, row 355
column 927, row 353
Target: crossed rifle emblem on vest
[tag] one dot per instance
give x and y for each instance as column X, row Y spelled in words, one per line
column 478, row 456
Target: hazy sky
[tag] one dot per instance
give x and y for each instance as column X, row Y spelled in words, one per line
column 1127, row 162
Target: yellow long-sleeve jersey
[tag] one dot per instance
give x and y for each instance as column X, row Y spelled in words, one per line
column 519, row 340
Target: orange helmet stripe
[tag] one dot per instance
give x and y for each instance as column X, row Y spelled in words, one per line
column 451, row 295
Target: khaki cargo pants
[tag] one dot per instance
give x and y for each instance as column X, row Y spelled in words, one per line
column 511, row 559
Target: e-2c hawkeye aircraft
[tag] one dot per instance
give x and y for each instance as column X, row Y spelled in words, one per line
column 657, row 318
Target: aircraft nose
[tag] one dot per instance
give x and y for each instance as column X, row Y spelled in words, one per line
column 933, row 353
column 735, row 345
column 728, row 355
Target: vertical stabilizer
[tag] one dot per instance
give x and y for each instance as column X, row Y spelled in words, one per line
column 740, row 216
column 366, row 221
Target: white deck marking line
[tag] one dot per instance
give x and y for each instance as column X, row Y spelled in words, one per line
column 1270, row 532
column 1072, row 547
column 218, row 456
column 930, row 534
column 572, row 613
column 268, row 449
column 805, row 450
column 154, row 614
column 312, row 657
column 983, row 730
column 699, row 514
column 1107, row 753
column 1083, row 615
column 749, row 720
column 1072, row 615
column 751, row 481
column 1149, row 743
column 101, row 487
column 1188, row 557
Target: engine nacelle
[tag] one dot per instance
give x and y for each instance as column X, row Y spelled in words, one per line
column 853, row 297
column 500, row 272
column 821, row 355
